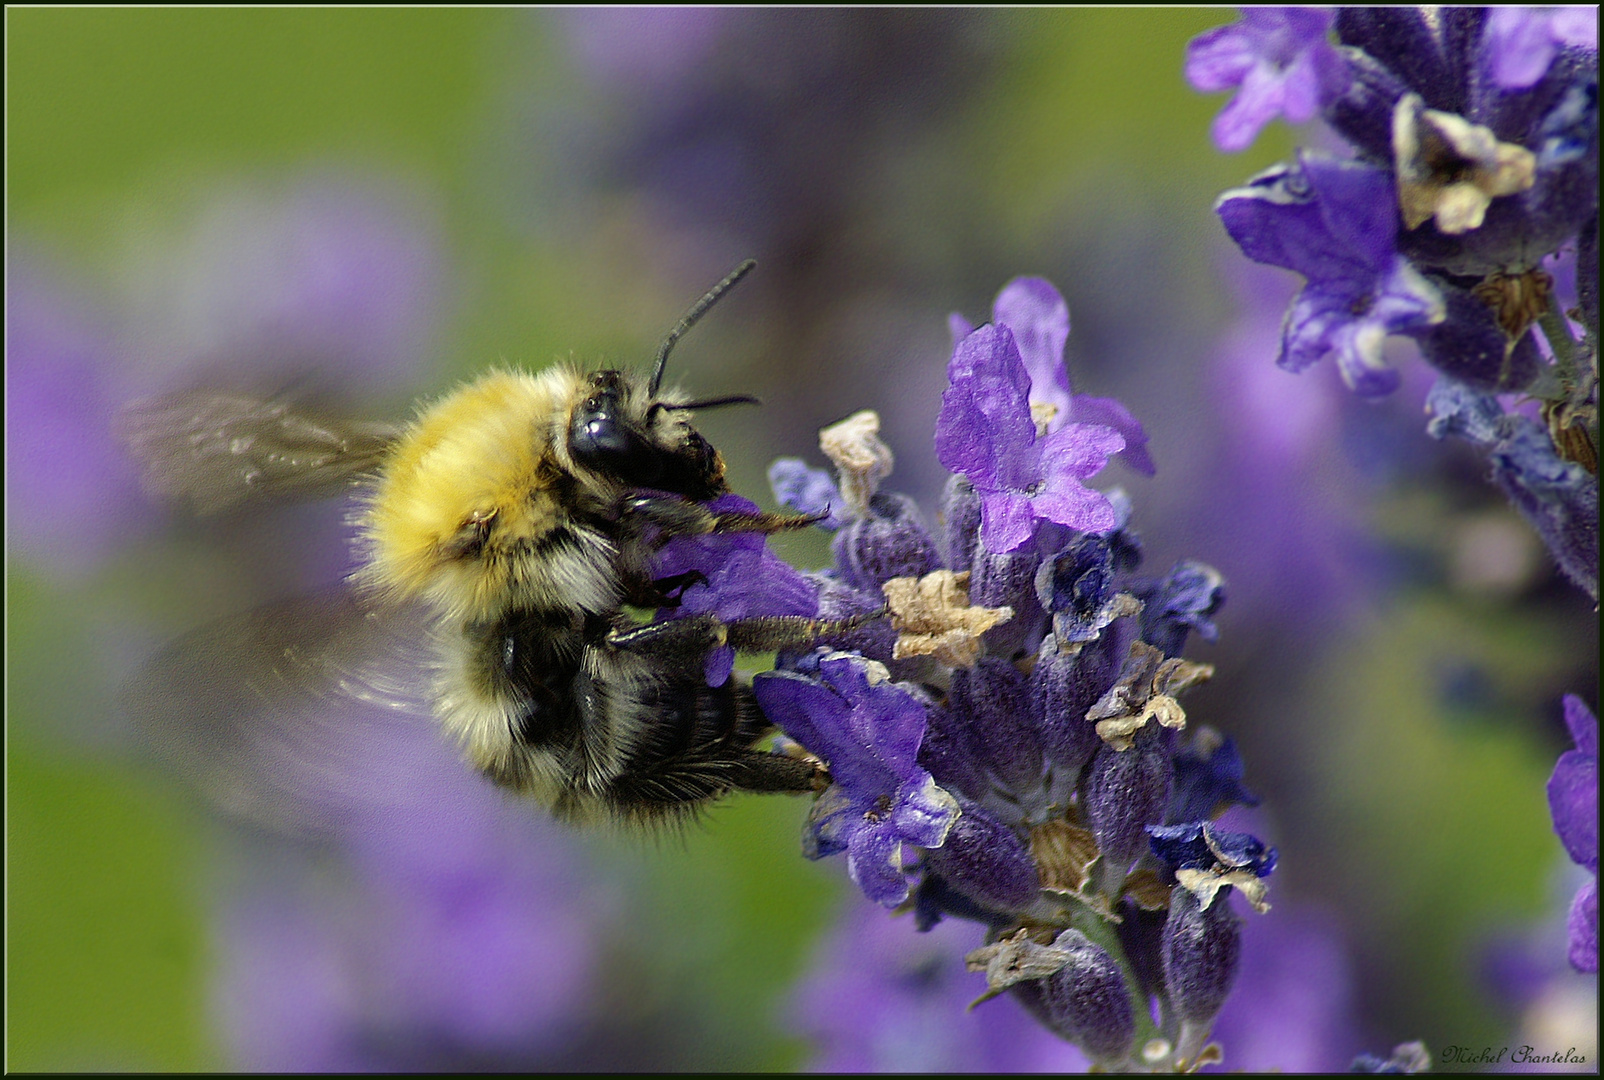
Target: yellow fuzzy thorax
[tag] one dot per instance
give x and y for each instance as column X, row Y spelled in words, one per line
column 481, row 451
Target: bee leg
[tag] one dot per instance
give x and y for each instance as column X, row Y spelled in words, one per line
column 683, row 639
column 674, row 516
column 765, row 522
column 670, row 514
column 690, row 638
column 765, row 633
column 758, row 771
column 666, row 591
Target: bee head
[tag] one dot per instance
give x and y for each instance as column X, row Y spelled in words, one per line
column 645, row 442
column 635, row 434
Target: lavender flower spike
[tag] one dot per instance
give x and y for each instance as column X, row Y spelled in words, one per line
column 1279, row 61
column 1335, row 222
column 985, row 432
column 869, row 730
column 1573, row 801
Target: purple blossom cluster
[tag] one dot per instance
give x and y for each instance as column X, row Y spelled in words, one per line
column 1471, row 156
column 1006, row 745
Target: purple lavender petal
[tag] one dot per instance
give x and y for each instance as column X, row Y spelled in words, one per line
column 1581, row 926
column 1281, row 63
column 923, row 812
column 1112, row 413
column 959, row 327
column 744, row 578
column 1573, row 790
column 807, row 491
column 985, row 414
column 869, row 733
column 1358, row 207
column 874, row 862
column 1037, row 315
column 1582, row 724
column 1007, row 521
column 1219, row 59
column 1324, row 218
column 1070, row 455
column 1521, row 42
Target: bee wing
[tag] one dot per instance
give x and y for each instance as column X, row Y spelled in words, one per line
column 216, row 449
column 288, row 716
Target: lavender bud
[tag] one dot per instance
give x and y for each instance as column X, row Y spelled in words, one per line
column 1008, row 581
column 1141, row 935
column 1085, row 1001
column 1123, row 792
column 986, row 861
column 890, row 542
column 948, row 755
column 1363, row 113
column 1200, row 951
column 960, row 523
column 1470, row 346
column 990, row 702
column 1062, row 687
column 1402, row 39
column 1183, row 602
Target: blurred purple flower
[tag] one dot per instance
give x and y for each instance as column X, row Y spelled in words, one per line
column 457, row 929
column 1280, row 63
column 1573, row 802
column 1293, row 1006
column 644, row 47
column 985, row 432
column 1521, row 42
column 868, row 729
column 883, row 997
column 335, row 281
column 807, row 490
column 330, row 277
column 72, row 494
column 1334, row 222
column 1035, row 311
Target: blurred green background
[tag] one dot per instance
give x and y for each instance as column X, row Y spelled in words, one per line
column 1070, row 146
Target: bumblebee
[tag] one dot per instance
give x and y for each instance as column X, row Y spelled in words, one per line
column 504, row 533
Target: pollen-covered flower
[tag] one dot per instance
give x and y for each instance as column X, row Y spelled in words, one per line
column 868, row 729
column 1279, row 62
column 985, row 432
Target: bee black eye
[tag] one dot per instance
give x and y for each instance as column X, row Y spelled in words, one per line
column 602, row 439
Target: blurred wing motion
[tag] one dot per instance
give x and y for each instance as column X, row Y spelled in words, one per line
column 216, row 449
column 290, row 716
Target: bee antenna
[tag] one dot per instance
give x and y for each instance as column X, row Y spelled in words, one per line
column 710, row 403
column 690, row 318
